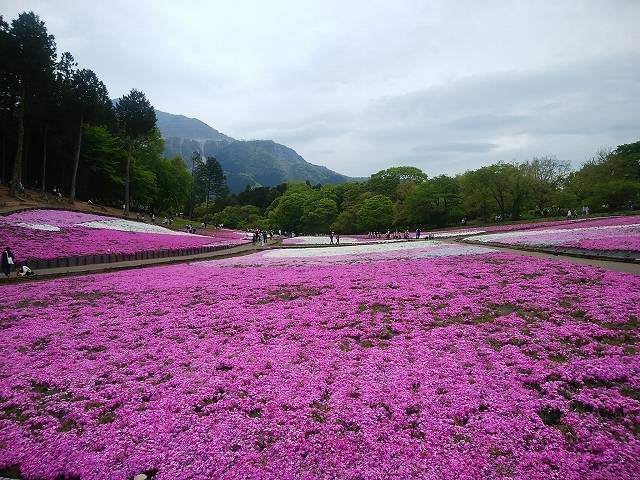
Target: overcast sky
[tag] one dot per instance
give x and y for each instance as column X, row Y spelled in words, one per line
column 363, row 85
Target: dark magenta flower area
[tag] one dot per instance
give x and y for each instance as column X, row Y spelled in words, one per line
column 477, row 366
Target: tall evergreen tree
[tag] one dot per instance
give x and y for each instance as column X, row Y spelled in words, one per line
column 6, row 93
column 136, row 118
column 213, row 179
column 31, row 57
column 91, row 104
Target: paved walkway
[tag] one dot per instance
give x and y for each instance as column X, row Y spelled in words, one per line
column 615, row 265
column 243, row 249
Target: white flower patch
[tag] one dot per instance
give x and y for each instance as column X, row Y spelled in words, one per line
column 39, row 226
column 363, row 253
column 456, row 233
column 415, row 249
column 131, row 226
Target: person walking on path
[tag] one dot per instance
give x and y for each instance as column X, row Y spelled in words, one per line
column 337, row 239
column 8, row 260
column 331, row 238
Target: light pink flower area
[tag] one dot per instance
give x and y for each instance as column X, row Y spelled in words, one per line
column 326, row 240
column 605, row 234
column 478, row 366
column 48, row 234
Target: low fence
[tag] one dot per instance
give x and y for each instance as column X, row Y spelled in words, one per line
column 102, row 258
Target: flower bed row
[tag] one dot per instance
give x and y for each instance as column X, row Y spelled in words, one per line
column 43, row 235
column 612, row 234
column 465, row 366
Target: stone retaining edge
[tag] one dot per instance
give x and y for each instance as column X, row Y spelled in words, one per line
column 105, row 258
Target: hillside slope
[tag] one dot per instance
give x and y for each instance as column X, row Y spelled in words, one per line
column 245, row 163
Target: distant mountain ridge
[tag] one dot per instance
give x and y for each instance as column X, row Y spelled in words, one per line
column 180, row 126
column 245, row 162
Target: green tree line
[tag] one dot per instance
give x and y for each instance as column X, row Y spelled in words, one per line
column 405, row 197
column 60, row 130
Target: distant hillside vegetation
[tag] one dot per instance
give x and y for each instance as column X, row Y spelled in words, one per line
column 253, row 162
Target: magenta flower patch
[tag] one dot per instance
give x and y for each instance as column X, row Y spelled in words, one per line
column 48, row 234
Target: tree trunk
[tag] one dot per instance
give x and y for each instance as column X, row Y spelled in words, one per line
column 127, row 181
column 25, row 156
column 43, row 176
column 17, row 163
column 3, row 178
column 76, row 162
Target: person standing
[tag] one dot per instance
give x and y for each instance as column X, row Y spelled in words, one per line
column 337, row 239
column 331, row 238
column 8, row 260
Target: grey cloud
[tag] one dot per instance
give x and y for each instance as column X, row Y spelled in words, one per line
column 576, row 109
column 468, row 147
column 488, row 122
column 359, row 86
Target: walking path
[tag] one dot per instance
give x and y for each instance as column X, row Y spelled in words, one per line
column 243, row 249
column 615, row 264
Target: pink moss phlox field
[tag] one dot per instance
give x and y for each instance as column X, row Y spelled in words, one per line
column 601, row 222
column 459, row 367
column 607, row 234
column 564, row 223
column 48, row 234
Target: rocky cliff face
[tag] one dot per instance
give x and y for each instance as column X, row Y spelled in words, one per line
column 253, row 163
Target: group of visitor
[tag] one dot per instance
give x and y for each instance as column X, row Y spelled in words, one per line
column 261, row 236
column 141, row 218
column 574, row 213
column 398, row 235
column 333, row 236
column 8, row 263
